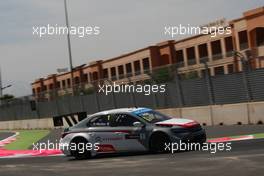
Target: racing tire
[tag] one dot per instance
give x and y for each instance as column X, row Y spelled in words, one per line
column 157, row 143
column 80, row 154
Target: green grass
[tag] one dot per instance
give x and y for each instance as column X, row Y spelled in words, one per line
column 258, row 136
column 26, row 138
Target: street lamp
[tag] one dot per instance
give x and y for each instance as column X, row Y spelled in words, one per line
column 2, row 88
column 6, row 87
column 69, row 44
column 1, row 91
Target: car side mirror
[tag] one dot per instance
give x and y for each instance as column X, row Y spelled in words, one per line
column 138, row 124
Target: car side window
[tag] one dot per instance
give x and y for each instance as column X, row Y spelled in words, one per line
column 123, row 120
column 100, row 121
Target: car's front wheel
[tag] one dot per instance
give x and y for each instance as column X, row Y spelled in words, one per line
column 79, row 149
column 158, row 143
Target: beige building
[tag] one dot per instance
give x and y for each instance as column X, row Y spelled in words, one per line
column 189, row 54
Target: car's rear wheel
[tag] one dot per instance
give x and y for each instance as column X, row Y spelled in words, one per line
column 78, row 149
column 158, row 142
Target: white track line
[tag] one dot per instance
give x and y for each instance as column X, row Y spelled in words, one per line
column 8, row 139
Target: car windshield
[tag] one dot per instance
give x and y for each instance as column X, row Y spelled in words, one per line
column 152, row 116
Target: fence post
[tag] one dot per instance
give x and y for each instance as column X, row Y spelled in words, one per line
column 97, row 101
column 37, row 107
column 57, row 107
column 245, row 72
column 209, row 83
column 154, row 98
column 178, row 88
column 105, row 81
column 113, row 92
column 114, row 99
column 210, row 89
column 133, row 97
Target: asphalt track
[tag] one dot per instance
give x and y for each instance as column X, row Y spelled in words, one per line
column 4, row 135
column 245, row 158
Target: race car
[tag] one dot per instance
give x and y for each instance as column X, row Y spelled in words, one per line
column 128, row 130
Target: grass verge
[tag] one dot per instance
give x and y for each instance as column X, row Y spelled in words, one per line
column 26, row 138
column 258, row 136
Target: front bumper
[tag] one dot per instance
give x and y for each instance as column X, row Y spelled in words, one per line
column 190, row 137
column 64, row 147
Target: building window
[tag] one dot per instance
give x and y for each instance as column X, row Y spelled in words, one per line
column 203, row 52
column 38, row 90
column 95, row 76
column 45, row 88
column 191, row 56
column 113, row 73
column 105, row 73
column 58, row 85
column 243, row 40
column 216, row 50
column 146, row 65
column 69, row 82
column 91, row 76
column 63, row 83
column 260, row 36
column 50, row 86
column 129, row 69
column 229, row 46
column 219, row 70
column 76, row 80
column 85, row 77
column 230, row 68
column 34, row 91
column 137, row 67
column 121, row 71
column 179, row 57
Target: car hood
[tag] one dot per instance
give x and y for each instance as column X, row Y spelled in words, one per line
column 178, row 122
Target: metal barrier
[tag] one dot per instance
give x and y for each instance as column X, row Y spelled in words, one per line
column 180, row 92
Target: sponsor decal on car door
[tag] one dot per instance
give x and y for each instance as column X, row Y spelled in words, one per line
column 131, row 136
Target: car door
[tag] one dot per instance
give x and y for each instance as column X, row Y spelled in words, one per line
column 131, row 137
column 102, row 133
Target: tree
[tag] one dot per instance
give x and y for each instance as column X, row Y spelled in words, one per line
column 7, row 97
column 190, row 75
column 162, row 75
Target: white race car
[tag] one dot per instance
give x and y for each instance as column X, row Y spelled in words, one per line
column 128, row 129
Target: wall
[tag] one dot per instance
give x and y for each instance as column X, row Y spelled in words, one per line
column 229, row 114
column 45, row 123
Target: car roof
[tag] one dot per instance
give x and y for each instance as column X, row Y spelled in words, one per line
column 122, row 110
